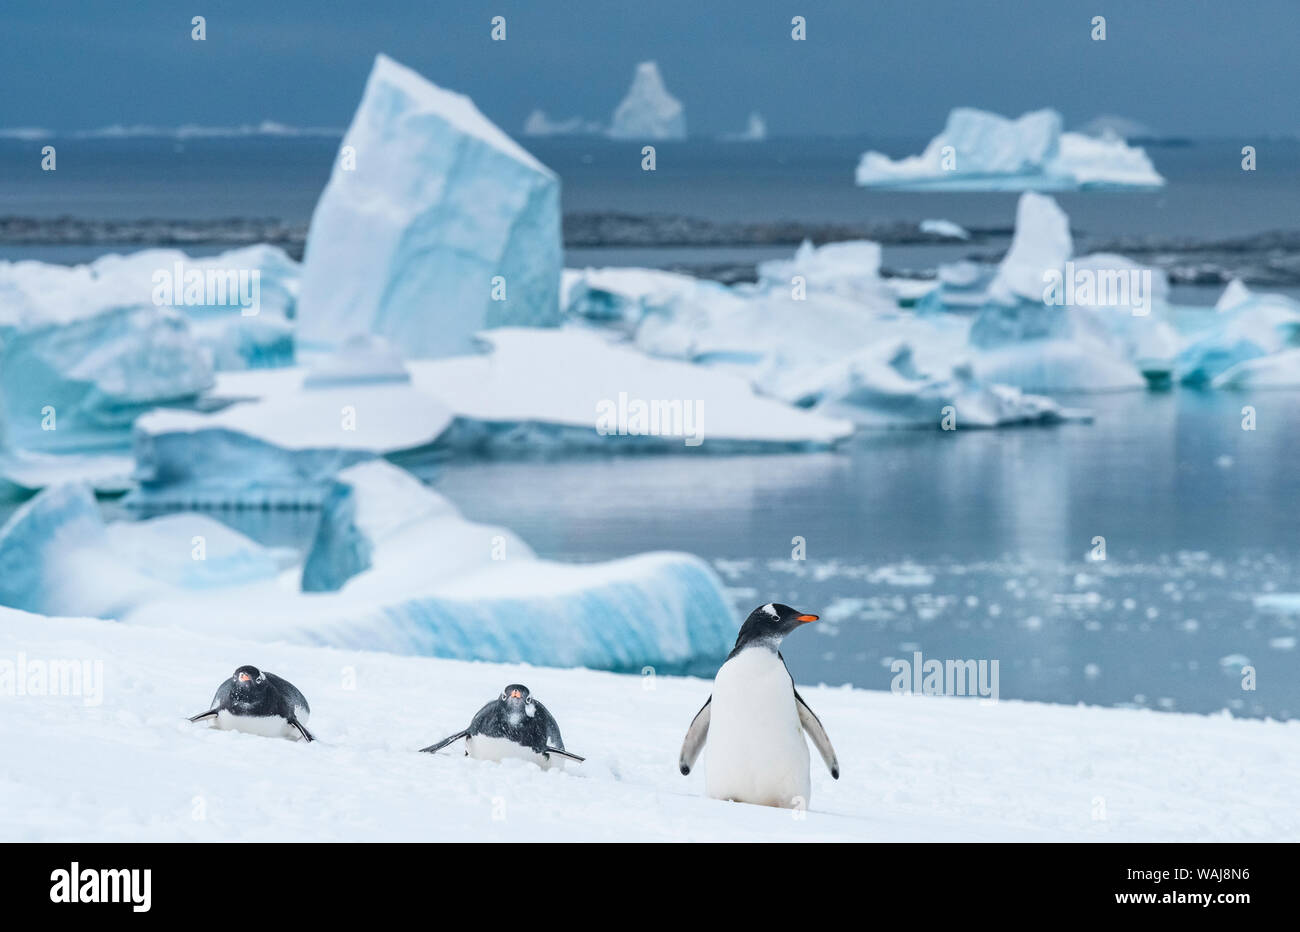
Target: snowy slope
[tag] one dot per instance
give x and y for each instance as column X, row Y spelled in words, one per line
column 914, row 769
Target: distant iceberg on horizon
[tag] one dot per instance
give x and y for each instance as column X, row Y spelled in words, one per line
column 981, row 151
column 648, row 112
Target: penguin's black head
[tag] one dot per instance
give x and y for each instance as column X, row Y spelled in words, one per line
column 248, row 680
column 769, row 623
column 517, row 701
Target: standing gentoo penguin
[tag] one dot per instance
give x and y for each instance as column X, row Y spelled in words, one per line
column 260, row 704
column 755, row 720
column 512, row 725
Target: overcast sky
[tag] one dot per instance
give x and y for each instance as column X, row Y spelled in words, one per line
column 879, row 67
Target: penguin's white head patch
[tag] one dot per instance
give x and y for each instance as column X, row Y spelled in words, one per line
column 770, row 609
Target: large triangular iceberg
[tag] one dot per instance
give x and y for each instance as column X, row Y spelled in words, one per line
column 648, row 112
column 434, row 225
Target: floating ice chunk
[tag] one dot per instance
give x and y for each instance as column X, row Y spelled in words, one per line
column 984, row 151
column 78, row 361
column 539, row 124
column 55, row 558
column 618, row 294
column 755, row 130
column 849, row 269
column 1109, row 126
column 1252, row 327
column 283, row 449
column 648, row 112
column 881, row 386
column 239, row 304
column 379, row 515
column 432, row 215
column 1278, row 370
column 414, row 578
column 1041, row 244
column 551, row 387
column 944, row 228
column 1235, row 293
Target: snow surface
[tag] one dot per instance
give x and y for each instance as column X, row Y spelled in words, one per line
column 440, row 202
column 648, row 112
column 992, row 152
column 914, row 768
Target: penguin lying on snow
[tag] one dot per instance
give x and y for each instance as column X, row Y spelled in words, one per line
column 260, row 704
column 512, row 725
column 755, row 720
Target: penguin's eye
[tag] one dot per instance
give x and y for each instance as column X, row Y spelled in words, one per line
column 261, row 677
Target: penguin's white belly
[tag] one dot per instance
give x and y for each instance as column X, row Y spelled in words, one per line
column 755, row 751
column 268, row 726
column 481, row 747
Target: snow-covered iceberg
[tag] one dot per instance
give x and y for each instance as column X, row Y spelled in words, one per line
column 282, row 449
column 395, row 568
column 980, row 151
column 575, row 388
column 648, row 112
column 434, row 225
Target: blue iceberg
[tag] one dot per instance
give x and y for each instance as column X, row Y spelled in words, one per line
column 434, row 225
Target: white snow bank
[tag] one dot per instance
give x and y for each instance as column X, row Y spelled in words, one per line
column 115, row 761
column 648, row 112
column 434, row 225
column 984, row 151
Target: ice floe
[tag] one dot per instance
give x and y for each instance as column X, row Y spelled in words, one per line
column 978, row 150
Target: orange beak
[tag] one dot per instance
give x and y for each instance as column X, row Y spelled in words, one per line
column 807, row 618
column 516, row 694
column 244, row 677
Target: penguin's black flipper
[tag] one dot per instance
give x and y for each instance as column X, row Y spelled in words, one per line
column 435, row 748
column 211, row 713
column 302, row 730
column 813, row 726
column 551, row 750
column 695, row 736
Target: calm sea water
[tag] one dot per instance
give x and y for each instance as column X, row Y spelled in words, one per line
column 966, row 545
column 808, row 180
